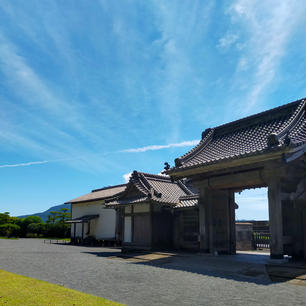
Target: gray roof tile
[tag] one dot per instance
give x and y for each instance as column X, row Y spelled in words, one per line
column 99, row 194
column 155, row 188
column 270, row 130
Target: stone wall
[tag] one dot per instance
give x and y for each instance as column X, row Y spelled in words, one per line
column 244, row 235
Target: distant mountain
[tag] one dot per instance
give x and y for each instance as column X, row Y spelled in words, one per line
column 44, row 214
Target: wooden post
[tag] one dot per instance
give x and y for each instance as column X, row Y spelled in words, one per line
column 210, row 222
column 151, row 225
column 82, row 231
column 132, row 223
column 117, row 226
column 74, row 232
column 275, row 219
column 203, row 226
column 232, row 225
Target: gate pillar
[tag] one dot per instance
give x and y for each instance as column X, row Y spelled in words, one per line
column 275, row 218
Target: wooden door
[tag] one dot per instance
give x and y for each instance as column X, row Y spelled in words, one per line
column 142, row 230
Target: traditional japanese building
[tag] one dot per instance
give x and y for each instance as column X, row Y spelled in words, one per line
column 157, row 213
column 263, row 150
column 90, row 218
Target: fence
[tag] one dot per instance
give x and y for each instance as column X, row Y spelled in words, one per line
column 261, row 240
column 57, row 241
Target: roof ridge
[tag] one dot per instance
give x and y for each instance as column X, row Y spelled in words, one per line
column 139, row 183
column 184, row 187
column 260, row 114
column 143, row 181
column 207, row 136
column 293, row 119
column 134, row 181
column 107, row 187
column 157, row 176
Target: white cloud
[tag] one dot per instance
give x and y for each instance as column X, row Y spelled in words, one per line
column 228, row 40
column 182, row 26
column 25, row 164
column 163, row 174
column 268, row 27
column 86, row 156
column 39, row 162
column 160, row 147
column 242, row 64
column 126, row 177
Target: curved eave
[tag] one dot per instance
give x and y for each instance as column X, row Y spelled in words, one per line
column 94, row 200
column 251, row 158
column 85, row 201
column 126, row 203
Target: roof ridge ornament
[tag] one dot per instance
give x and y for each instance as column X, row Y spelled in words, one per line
column 272, row 140
column 167, row 166
column 206, row 132
column 178, row 162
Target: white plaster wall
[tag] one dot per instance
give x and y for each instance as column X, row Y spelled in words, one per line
column 102, row 227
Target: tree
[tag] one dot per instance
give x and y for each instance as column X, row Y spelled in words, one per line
column 35, row 228
column 24, row 222
column 63, row 215
column 33, row 219
column 5, row 218
column 52, row 217
column 9, row 229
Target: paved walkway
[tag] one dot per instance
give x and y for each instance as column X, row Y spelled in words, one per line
column 169, row 279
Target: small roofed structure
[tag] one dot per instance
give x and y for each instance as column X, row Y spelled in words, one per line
column 263, row 150
column 90, row 218
column 150, row 209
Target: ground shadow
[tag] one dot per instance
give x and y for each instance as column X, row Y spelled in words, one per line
column 207, row 265
column 242, row 267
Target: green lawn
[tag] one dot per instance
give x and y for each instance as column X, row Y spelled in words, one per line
column 14, row 238
column 21, row 290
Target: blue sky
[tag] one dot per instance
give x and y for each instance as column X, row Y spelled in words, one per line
column 84, row 82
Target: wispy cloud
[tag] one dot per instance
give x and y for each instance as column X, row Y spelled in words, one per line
column 161, row 147
column 228, row 40
column 26, row 164
column 182, row 26
column 99, row 155
column 265, row 29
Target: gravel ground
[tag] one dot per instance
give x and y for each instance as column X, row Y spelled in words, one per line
column 183, row 279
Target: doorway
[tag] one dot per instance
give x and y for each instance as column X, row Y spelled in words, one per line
column 252, row 221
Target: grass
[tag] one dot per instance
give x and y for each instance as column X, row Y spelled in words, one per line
column 21, row 290
column 13, row 238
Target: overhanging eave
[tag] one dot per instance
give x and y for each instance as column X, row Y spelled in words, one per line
column 226, row 164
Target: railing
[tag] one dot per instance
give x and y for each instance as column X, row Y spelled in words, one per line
column 261, row 240
column 56, row 241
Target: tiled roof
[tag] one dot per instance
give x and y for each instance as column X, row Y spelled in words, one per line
column 160, row 189
column 274, row 129
column 188, row 201
column 99, row 194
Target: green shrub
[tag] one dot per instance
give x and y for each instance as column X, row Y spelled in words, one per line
column 59, row 230
column 9, row 230
column 35, row 228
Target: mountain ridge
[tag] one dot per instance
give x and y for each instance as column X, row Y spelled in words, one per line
column 45, row 213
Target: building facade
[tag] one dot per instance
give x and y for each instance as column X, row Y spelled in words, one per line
column 263, row 150
column 157, row 213
column 91, row 218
